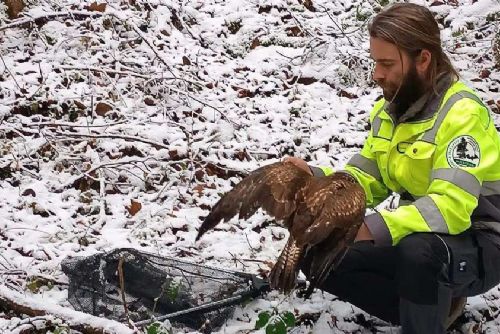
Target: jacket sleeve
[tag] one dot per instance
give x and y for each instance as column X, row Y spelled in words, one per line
column 466, row 148
column 363, row 166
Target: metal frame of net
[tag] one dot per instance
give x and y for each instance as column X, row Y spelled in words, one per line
column 128, row 284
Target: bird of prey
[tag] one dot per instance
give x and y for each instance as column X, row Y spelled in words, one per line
column 323, row 215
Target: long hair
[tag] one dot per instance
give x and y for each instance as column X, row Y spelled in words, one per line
column 411, row 28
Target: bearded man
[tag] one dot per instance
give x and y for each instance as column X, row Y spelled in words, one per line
column 432, row 141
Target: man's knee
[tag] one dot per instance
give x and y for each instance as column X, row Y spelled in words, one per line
column 419, row 250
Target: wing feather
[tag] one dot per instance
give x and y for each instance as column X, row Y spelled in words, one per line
column 273, row 188
column 331, row 203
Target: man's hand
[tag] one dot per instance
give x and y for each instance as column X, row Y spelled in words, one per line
column 299, row 163
column 363, row 233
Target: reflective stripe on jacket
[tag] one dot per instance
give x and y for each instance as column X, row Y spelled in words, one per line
column 447, row 162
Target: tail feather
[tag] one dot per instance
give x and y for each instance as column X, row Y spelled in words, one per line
column 283, row 276
column 323, row 263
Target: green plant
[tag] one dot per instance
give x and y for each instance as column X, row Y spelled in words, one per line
column 362, row 15
column 275, row 323
column 158, row 328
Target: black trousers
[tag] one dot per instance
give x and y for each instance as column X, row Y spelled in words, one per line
column 412, row 284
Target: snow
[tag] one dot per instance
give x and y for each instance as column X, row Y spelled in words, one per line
column 195, row 103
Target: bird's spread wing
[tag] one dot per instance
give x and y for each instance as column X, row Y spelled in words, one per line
column 274, row 188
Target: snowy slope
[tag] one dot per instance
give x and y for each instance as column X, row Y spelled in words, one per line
column 166, row 104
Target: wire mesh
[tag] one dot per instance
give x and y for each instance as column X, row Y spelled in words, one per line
column 127, row 284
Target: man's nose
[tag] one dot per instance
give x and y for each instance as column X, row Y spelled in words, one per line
column 377, row 74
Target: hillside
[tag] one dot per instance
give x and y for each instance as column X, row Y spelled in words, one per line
column 122, row 122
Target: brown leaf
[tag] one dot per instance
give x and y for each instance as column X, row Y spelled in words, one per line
column 14, row 7
column 79, row 104
column 309, row 5
column 186, row 61
column 343, row 93
column 306, row 80
column 255, row 43
column 174, row 155
column 294, row 31
column 485, row 74
column 29, row 192
column 265, row 9
column 149, row 101
column 95, row 7
column 242, row 155
column 199, row 188
column 102, row 108
column 134, row 207
column 245, row 93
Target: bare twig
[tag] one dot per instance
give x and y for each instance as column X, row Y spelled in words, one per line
column 112, row 136
column 12, row 75
column 47, row 16
column 104, row 70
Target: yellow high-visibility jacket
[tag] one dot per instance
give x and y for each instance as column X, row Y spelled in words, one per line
column 445, row 159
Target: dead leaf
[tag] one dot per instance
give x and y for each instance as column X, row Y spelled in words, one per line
column 134, row 207
column 242, row 93
column 102, row 108
column 79, row 104
column 309, row 5
column 485, row 74
column 29, row 192
column 255, row 43
column 265, row 9
column 199, row 188
column 436, row 3
column 294, row 31
column 186, row 61
column 95, row 7
column 149, row 101
column 344, row 93
column 14, row 7
column 306, row 80
column 242, row 155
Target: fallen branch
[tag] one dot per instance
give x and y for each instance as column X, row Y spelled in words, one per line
column 11, row 301
column 111, row 136
column 47, row 16
column 104, row 70
column 72, row 125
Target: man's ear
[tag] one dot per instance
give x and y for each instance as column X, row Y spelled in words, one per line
column 423, row 61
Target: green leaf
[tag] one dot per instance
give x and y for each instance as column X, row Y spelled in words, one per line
column 278, row 327
column 263, row 320
column 153, row 328
column 288, row 318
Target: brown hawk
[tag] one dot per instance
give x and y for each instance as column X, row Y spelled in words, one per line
column 323, row 215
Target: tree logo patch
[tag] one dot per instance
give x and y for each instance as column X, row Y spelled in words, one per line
column 463, row 151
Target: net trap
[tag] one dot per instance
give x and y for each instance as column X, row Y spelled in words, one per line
column 127, row 284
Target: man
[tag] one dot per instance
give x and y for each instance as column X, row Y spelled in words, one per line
column 432, row 141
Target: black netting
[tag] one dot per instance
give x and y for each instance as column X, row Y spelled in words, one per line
column 157, row 287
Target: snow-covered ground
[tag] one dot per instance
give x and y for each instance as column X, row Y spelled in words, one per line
column 121, row 124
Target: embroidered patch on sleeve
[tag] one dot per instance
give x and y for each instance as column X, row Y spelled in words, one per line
column 463, row 151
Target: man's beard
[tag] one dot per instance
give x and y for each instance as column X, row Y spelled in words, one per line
column 411, row 90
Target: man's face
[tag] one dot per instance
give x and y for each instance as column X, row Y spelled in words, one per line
column 394, row 70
